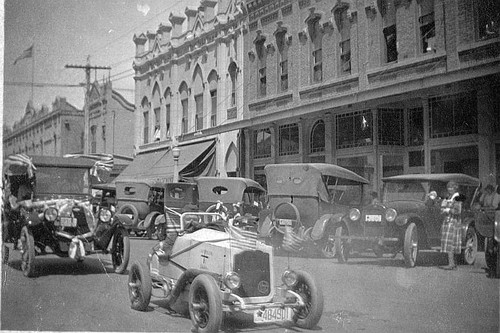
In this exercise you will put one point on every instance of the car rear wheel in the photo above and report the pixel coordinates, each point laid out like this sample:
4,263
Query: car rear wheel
341,245
120,250
27,252
205,304
410,247
469,253
308,316
139,287
327,243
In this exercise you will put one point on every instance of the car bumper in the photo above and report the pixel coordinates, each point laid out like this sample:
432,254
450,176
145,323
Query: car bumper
282,299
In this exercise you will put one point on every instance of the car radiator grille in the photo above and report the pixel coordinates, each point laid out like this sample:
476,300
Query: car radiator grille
253,268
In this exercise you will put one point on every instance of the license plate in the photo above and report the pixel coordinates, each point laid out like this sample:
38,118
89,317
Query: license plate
373,218
272,315
66,222
285,222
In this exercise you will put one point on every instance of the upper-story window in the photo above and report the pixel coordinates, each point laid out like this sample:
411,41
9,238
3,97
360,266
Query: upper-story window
488,18
157,136
388,11
184,121
316,34
453,115
213,100
289,139
168,121
344,25
104,137
146,126
199,112
416,126
317,140
233,69
262,143
93,139
282,44
262,58
427,26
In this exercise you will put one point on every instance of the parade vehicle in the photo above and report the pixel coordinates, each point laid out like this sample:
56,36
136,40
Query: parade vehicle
56,216
104,195
488,226
217,266
138,204
307,203
409,218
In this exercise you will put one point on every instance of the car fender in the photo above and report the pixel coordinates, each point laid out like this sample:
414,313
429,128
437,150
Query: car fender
124,219
147,221
321,224
403,219
466,224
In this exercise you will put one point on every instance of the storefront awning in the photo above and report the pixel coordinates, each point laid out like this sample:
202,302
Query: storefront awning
195,159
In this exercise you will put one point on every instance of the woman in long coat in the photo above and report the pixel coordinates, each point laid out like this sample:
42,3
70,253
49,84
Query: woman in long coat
451,231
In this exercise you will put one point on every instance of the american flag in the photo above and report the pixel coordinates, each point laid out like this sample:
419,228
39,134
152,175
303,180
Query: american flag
103,162
21,160
242,239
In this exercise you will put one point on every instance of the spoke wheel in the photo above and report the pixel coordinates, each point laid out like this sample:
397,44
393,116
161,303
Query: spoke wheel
205,304
120,250
139,287
308,316
469,253
410,247
27,252
327,243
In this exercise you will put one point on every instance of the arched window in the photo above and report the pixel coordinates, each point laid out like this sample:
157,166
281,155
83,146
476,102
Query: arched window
317,139
183,91
145,119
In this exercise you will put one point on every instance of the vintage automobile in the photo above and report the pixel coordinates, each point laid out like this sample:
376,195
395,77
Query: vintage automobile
307,202
226,195
104,195
139,203
488,226
57,217
192,278
409,218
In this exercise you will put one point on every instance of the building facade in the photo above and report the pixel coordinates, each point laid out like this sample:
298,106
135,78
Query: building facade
189,84
46,132
380,87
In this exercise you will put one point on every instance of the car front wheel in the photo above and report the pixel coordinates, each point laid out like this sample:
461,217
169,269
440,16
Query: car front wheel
410,247
205,304
341,245
139,287
327,244
27,252
469,253
120,250
308,316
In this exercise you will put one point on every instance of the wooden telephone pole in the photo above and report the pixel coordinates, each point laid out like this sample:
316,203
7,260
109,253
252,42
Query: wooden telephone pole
87,69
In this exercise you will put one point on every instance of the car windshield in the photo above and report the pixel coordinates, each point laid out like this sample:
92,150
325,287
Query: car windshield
343,192
54,180
405,191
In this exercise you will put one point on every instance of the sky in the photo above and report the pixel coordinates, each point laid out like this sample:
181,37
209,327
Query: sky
66,32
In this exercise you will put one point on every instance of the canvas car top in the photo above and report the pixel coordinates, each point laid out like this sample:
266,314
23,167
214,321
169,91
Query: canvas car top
286,178
460,178
226,188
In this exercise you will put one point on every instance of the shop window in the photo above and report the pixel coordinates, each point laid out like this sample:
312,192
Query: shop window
262,143
317,140
392,165
198,99
361,165
416,158
213,115
488,18
388,11
427,26
184,121
288,139
354,129
456,160
453,115
416,127
391,127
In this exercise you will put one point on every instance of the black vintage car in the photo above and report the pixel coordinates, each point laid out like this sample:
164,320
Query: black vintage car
55,215
409,218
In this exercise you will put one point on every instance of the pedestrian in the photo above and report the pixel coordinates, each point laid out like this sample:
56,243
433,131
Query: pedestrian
490,198
451,232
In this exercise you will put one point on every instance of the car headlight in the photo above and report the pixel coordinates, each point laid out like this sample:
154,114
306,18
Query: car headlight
50,214
289,278
354,214
390,214
232,280
105,215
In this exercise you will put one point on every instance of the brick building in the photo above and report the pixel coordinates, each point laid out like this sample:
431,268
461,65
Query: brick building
46,132
188,85
380,87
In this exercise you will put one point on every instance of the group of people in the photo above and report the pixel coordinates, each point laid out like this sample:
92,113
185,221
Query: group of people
451,208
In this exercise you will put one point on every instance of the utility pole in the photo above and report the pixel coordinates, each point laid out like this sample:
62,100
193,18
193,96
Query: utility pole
87,69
